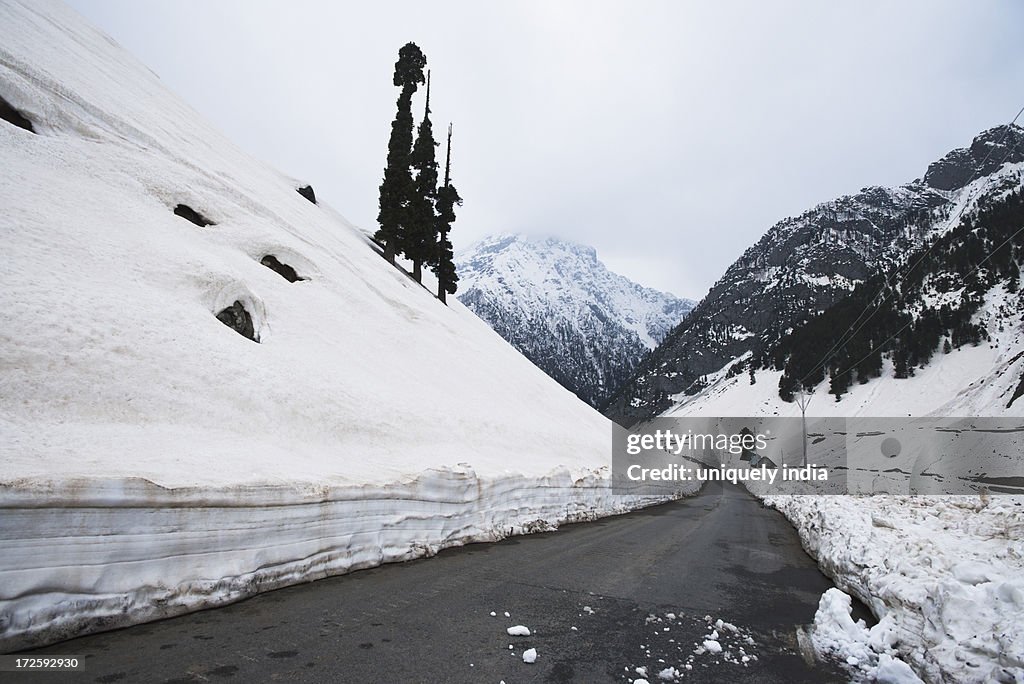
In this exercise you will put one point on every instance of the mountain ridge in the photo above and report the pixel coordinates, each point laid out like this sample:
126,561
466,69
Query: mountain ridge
804,264
558,304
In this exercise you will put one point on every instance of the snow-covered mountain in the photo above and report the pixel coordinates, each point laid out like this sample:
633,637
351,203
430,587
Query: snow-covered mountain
805,265
211,385
554,301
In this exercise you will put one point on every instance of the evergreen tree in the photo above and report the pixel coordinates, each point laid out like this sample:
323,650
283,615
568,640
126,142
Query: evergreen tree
1013,278
444,258
839,384
419,241
396,188
787,386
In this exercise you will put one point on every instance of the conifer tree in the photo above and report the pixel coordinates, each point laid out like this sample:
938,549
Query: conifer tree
444,258
396,188
419,241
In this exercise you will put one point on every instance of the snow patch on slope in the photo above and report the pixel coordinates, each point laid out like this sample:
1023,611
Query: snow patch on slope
970,381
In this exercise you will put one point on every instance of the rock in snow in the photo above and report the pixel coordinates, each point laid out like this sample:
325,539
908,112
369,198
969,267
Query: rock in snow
214,467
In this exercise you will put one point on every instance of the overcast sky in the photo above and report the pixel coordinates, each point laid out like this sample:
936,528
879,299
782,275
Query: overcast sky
668,135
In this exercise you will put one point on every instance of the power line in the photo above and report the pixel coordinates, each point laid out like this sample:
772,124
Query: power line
890,284
889,339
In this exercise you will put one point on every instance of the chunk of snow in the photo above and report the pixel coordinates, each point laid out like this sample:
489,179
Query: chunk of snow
893,671
530,655
518,630
712,646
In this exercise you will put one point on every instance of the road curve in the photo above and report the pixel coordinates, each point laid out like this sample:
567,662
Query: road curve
615,581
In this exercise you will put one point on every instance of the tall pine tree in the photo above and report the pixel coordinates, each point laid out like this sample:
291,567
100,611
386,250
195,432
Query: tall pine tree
419,240
444,258
397,187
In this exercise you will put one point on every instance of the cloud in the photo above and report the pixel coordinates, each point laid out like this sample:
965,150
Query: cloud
645,129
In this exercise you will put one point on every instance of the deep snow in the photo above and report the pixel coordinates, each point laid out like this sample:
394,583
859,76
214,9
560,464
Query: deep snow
153,460
944,575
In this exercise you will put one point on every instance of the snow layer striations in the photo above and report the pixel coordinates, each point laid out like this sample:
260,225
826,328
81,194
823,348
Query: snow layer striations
943,575
153,460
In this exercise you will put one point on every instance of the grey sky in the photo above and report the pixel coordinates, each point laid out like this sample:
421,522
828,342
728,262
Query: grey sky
669,135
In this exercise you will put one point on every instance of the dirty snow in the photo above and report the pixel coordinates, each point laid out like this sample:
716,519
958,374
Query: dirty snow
943,575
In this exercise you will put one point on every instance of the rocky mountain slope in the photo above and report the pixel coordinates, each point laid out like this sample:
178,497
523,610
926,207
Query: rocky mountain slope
804,265
554,301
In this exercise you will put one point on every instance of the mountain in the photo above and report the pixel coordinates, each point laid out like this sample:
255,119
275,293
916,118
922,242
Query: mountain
555,302
806,264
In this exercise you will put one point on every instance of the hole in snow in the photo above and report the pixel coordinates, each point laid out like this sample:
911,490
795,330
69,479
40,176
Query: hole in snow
239,320
307,192
13,116
284,270
190,214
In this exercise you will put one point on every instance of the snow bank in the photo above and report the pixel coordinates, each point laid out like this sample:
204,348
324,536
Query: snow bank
153,460
128,550
943,575
867,651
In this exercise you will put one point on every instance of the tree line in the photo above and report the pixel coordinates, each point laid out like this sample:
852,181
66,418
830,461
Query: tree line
963,265
416,214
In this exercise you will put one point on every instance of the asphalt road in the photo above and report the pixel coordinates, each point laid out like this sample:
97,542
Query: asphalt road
720,554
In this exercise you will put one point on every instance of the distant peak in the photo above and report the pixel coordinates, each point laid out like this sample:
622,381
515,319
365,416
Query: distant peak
502,241
988,151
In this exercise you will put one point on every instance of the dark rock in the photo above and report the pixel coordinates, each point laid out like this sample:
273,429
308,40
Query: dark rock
1017,393
307,192
284,270
190,214
239,320
988,151
13,116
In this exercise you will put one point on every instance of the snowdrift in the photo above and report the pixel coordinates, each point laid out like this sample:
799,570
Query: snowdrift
153,459
944,576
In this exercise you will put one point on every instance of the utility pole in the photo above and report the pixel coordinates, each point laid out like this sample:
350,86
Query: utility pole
803,400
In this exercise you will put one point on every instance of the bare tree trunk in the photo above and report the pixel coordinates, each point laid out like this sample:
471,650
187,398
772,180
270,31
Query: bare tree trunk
417,271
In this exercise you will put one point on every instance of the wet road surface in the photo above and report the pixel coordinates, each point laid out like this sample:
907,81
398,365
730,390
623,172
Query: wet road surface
719,554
